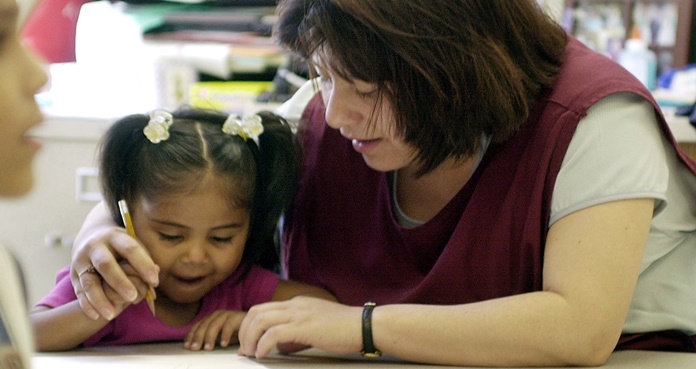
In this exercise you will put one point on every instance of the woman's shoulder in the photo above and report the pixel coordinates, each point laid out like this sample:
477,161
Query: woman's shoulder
587,77
617,151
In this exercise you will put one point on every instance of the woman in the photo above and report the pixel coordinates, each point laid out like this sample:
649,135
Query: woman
492,184
21,78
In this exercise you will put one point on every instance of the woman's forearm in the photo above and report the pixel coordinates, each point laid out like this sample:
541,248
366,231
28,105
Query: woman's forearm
591,264
535,329
97,218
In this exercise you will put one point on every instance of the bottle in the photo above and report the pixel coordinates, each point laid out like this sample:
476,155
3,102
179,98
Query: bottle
639,60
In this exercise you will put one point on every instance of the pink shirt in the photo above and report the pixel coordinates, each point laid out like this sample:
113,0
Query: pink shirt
137,325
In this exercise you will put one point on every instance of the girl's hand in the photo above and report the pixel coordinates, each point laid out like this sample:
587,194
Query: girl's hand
221,326
301,322
118,302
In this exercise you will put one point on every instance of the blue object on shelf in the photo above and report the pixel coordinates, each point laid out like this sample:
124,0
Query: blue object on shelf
688,111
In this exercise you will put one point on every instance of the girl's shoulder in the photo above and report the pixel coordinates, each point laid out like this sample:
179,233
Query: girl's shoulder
246,287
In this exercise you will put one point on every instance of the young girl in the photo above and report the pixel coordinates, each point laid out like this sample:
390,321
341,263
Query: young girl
205,191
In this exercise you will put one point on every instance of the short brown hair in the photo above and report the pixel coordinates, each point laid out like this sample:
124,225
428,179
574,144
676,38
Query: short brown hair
452,70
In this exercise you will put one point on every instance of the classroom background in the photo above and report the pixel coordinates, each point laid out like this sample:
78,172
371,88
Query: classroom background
111,58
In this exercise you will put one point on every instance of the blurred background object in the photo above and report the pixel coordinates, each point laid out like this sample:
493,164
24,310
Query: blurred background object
50,29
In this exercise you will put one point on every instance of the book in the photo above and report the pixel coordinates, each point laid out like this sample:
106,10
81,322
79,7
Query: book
16,335
238,97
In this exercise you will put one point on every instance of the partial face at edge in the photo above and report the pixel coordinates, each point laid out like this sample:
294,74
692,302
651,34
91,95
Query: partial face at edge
21,77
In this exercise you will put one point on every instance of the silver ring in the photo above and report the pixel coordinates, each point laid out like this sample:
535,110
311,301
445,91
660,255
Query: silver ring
90,269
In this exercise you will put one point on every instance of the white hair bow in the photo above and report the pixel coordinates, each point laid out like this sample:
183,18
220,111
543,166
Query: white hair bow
246,128
157,129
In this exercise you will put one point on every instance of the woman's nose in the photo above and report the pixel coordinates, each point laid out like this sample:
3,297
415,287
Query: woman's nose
34,71
332,112
341,111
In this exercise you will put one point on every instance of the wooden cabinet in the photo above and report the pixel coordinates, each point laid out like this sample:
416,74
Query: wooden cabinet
604,25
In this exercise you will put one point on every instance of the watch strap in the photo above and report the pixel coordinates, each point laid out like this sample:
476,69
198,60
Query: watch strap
369,349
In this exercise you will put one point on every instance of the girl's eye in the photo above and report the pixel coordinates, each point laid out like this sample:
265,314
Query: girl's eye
221,239
169,237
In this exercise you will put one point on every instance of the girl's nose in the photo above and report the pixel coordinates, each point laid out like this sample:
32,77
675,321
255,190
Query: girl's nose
195,254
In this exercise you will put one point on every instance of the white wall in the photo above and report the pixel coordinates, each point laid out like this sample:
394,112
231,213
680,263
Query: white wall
554,7
25,7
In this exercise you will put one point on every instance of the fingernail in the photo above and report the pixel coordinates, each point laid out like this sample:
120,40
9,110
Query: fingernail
109,315
132,295
207,347
153,278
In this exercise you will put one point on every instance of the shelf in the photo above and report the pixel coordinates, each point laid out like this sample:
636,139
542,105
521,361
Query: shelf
604,25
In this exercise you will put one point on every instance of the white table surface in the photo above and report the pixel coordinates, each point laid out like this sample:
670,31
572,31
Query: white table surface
172,355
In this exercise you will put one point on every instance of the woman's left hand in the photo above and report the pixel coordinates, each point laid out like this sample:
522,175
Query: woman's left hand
301,322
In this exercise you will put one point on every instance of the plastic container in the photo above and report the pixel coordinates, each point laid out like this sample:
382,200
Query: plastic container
640,61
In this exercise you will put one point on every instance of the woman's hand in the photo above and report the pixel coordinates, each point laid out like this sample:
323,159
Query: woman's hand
298,323
101,244
119,303
221,326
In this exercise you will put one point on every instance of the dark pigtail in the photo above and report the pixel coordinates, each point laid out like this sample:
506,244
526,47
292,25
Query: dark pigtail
121,147
278,159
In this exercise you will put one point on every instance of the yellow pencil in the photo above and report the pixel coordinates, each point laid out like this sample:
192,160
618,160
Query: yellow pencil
125,215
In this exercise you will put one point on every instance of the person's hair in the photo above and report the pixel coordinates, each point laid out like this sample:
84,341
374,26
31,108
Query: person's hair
452,70
260,178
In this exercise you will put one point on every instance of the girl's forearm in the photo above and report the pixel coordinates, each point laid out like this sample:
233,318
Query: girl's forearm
289,289
63,328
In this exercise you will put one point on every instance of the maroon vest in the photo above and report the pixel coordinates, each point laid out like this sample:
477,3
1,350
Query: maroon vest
487,242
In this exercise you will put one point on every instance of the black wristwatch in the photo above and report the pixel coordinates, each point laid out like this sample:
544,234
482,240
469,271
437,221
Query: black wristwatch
369,349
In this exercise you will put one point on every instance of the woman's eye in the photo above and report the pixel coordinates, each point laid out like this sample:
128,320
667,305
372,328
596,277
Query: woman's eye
365,90
366,95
